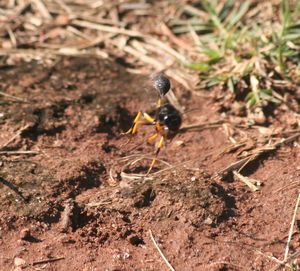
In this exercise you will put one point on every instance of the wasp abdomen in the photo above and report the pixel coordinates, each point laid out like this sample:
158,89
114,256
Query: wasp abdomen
161,83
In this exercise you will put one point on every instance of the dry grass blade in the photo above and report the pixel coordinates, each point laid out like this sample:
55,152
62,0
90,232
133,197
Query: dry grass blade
129,161
99,203
117,30
289,186
158,44
12,97
201,126
256,153
166,30
139,176
283,263
78,33
154,43
236,165
251,183
105,28
272,258
291,229
12,37
160,252
42,9
136,177
48,260
65,7
18,152
97,41
80,26
46,53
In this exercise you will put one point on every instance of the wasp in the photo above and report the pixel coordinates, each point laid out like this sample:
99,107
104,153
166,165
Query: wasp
167,119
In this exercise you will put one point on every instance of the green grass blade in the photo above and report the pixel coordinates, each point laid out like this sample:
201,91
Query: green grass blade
225,11
199,66
214,17
238,15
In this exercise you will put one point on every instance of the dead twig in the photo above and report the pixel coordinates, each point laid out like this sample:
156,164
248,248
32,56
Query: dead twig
48,260
18,152
160,252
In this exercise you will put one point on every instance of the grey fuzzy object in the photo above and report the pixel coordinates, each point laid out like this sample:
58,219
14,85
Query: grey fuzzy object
161,83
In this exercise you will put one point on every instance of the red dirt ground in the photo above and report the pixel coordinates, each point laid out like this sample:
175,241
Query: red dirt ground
78,208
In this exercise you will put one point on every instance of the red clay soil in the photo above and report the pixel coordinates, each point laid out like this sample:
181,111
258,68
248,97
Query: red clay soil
74,201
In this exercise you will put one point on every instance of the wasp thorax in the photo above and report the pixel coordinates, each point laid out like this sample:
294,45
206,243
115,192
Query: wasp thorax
168,116
161,83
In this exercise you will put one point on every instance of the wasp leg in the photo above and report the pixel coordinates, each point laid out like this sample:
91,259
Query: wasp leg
137,121
133,128
151,138
160,144
148,118
158,104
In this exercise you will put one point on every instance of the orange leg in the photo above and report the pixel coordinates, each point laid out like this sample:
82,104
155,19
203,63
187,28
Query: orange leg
159,146
133,128
159,131
158,104
148,118
137,121
151,138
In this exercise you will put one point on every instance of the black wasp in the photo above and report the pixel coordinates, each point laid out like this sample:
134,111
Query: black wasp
167,120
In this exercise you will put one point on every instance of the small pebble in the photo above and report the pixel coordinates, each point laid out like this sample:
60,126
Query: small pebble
19,262
208,221
193,179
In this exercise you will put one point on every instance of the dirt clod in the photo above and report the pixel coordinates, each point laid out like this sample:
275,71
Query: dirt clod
25,234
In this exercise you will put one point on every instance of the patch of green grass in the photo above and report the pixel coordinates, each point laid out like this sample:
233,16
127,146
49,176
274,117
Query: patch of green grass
242,43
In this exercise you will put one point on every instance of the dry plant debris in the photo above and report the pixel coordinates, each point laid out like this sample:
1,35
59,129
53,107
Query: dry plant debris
41,30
